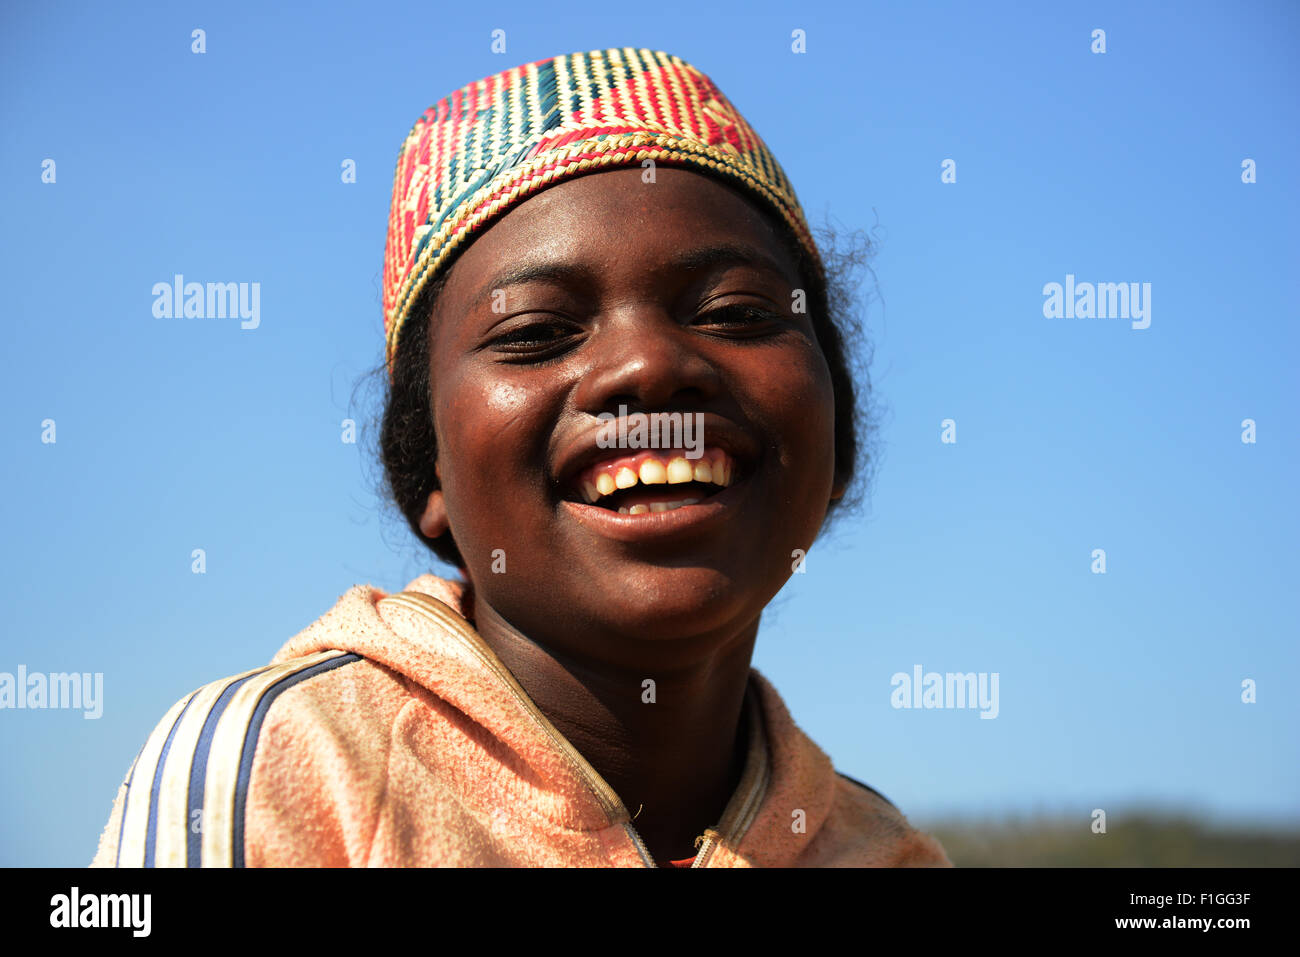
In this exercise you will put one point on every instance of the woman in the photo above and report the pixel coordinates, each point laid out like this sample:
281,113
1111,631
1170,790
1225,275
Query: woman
620,406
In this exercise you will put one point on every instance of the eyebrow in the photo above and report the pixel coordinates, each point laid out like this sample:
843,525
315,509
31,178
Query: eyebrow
703,257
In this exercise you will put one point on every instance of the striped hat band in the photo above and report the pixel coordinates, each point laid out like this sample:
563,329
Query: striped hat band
490,145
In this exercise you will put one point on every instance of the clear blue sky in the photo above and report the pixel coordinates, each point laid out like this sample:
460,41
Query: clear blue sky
1115,689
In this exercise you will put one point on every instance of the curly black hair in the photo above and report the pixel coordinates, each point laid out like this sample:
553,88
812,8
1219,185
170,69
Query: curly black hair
408,444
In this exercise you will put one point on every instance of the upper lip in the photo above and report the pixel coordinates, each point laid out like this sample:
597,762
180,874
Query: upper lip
717,432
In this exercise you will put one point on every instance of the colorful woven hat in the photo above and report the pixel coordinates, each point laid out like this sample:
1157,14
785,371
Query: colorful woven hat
492,144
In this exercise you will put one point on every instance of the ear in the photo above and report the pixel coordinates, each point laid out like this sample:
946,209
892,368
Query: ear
838,489
433,523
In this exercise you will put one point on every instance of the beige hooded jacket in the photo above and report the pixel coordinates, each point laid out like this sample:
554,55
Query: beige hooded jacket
389,734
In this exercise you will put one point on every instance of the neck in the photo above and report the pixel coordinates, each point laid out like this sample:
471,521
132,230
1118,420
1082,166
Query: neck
673,751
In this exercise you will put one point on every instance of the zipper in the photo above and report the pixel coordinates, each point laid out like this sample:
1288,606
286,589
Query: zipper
431,608
706,842
641,847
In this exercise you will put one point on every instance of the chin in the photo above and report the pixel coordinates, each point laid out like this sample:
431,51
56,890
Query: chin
664,604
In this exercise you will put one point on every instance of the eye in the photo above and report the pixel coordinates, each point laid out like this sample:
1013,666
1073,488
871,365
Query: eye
740,317
534,339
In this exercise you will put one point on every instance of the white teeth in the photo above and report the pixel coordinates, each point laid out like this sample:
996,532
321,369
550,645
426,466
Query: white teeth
652,473
656,507
679,470
638,510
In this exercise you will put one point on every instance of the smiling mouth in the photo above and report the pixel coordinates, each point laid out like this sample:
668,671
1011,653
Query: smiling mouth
654,481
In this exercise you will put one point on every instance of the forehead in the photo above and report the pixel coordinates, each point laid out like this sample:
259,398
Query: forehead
616,221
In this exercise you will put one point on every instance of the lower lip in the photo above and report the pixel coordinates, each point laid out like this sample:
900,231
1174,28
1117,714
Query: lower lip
652,526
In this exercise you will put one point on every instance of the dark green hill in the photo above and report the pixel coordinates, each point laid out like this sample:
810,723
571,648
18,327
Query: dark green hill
1135,839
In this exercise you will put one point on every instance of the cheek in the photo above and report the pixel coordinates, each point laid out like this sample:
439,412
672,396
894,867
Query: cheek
487,437
505,400
799,401
479,417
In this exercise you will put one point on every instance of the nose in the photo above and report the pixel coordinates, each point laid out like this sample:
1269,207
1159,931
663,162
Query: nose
648,361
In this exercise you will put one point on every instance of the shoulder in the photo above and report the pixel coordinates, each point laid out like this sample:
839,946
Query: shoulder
875,832
186,798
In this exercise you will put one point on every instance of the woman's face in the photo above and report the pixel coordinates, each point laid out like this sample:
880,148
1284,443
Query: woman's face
603,292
